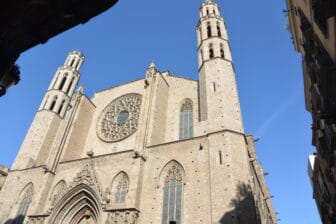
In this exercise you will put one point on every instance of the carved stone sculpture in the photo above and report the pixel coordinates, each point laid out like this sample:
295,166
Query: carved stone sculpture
128,216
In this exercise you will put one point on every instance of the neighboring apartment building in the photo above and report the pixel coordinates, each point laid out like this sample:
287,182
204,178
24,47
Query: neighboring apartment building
3,175
313,27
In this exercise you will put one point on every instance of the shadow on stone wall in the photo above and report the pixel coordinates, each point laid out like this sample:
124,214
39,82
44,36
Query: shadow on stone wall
244,211
18,220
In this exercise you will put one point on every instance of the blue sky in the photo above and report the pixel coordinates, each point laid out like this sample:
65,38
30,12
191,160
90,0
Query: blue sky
122,42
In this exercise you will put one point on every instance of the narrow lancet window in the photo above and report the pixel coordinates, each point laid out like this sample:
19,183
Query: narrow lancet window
53,103
186,120
72,62
172,195
70,85
26,199
63,82
61,107
218,30
220,157
222,50
211,51
121,183
209,29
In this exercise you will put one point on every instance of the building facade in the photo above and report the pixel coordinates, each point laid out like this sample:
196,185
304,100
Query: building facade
313,28
161,149
3,175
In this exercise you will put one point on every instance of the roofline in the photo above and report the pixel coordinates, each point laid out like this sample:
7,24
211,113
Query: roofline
118,85
175,76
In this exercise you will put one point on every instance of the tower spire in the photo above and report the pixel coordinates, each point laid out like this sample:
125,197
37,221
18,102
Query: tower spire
63,84
212,34
152,65
217,80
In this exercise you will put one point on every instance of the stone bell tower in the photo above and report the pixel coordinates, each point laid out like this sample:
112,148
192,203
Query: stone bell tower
42,133
63,85
219,103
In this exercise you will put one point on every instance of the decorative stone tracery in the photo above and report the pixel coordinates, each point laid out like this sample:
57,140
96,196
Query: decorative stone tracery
28,195
127,216
172,193
88,177
59,190
174,173
36,220
79,202
187,105
120,118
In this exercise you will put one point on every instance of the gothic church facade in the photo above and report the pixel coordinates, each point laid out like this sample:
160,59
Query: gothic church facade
162,149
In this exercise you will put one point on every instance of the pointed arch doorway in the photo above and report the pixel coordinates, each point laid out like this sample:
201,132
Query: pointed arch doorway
84,216
78,206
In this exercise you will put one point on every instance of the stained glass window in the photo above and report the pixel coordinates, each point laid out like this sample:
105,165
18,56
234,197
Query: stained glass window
121,188
24,204
186,120
172,196
122,117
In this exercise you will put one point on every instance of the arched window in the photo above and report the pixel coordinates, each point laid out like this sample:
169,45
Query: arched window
120,187
221,50
211,51
69,87
59,190
207,11
53,103
209,29
172,194
61,107
26,199
218,30
186,120
72,62
63,82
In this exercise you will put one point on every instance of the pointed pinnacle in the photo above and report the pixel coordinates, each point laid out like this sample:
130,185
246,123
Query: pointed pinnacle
152,65
80,89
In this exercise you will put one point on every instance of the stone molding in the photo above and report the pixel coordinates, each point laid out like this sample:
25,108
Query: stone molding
128,215
87,176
